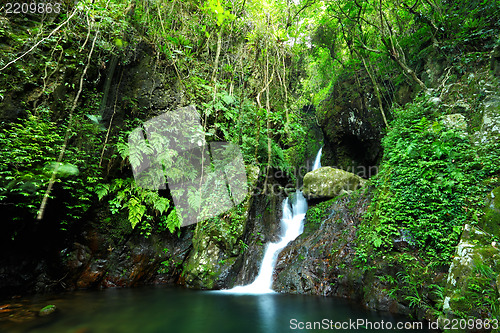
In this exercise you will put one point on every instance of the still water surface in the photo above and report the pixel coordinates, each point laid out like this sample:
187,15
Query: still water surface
143,310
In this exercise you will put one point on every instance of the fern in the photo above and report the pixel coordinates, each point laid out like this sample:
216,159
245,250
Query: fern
173,221
161,204
135,211
101,190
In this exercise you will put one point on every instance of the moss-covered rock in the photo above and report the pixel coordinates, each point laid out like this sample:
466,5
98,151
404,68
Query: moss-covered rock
471,287
327,182
454,121
47,310
490,222
218,245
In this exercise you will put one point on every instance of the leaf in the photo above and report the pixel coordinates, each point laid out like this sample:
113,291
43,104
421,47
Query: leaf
377,242
161,204
173,220
135,212
228,99
102,190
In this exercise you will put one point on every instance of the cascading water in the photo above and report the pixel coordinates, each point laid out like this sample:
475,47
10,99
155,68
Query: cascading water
292,226
317,160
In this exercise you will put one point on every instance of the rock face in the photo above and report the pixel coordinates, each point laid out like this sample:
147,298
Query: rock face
327,182
322,261
490,128
490,222
229,252
475,265
352,125
454,121
101,259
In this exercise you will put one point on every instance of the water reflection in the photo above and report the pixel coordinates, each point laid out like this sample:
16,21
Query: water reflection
267,312
186,311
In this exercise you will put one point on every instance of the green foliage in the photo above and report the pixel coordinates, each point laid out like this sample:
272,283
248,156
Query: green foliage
30,149
227,228
481,295
317,214
147,210
427,185
222,15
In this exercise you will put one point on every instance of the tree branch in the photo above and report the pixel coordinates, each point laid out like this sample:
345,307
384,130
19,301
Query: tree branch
34,46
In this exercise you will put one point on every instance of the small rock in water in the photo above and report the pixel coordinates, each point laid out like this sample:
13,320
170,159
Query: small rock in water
48,310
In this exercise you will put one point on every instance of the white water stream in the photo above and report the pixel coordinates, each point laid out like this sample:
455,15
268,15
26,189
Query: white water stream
317,160
292,226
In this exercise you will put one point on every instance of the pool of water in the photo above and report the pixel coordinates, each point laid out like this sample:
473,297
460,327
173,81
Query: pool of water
159,309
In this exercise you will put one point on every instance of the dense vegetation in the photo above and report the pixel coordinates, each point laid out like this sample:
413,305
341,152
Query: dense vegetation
265,76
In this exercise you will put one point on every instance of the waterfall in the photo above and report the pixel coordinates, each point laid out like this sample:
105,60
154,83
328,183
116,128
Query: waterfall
291,224
317,160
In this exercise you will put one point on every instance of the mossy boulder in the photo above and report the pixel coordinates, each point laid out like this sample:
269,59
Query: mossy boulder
327,182
491,219
215,249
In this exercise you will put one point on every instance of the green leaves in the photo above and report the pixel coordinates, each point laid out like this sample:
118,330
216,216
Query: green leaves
102,190
220,13
147,210
161,204
424,185
136,211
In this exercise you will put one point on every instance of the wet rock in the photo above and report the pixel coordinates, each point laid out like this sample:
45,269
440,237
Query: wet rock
327,182
48,310
321,262
490,128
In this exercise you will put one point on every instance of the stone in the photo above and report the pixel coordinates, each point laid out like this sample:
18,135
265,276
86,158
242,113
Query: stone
490,127
454,121
490,221
327,182
48,310
473,251
435,101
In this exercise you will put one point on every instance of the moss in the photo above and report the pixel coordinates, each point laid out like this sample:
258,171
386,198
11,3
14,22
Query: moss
316,215
490,222
47,310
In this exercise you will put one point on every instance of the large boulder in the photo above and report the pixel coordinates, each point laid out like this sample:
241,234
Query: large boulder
327,182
